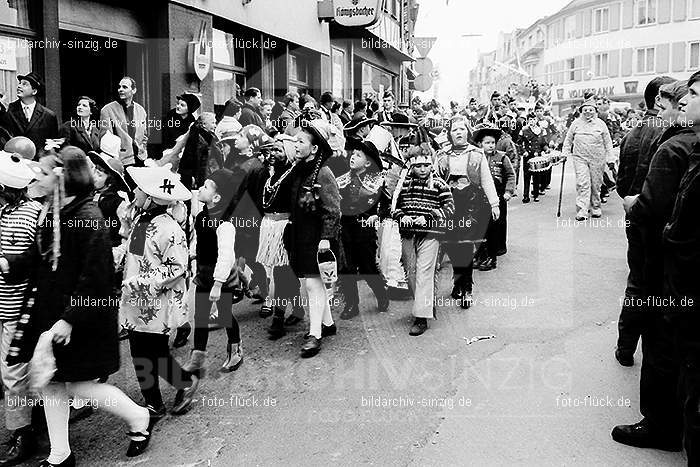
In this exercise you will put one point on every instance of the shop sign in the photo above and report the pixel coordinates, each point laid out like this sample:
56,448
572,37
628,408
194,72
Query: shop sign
199,54
8,55
602,91
360,13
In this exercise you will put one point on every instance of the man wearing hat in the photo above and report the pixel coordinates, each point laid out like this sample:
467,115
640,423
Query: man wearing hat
588,141
26,116
18,222
361,196
154,288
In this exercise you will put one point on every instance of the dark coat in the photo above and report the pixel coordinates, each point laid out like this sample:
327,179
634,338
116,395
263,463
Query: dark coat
43,126
246,205
108,201
635,154
77,135
194,166
682,240
85,273
251,116
309,227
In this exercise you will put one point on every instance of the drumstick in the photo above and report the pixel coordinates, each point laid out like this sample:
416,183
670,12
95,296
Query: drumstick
561,187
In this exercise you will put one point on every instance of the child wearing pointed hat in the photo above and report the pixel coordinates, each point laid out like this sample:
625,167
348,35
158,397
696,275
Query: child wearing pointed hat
154,290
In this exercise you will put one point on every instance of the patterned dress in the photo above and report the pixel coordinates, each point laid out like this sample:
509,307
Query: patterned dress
153,297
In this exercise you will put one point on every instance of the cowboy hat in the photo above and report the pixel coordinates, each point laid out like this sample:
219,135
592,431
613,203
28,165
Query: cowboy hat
358,122
400,120
159,183
320,130
482,130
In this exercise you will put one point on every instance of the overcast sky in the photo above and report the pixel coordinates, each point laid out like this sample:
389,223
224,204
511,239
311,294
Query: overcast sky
455,55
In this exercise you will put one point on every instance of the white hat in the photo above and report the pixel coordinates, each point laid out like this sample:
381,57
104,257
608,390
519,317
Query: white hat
159,183
227,127
380,137
14,171
111,144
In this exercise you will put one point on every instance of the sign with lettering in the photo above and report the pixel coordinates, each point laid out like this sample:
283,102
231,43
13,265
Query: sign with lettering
199,54
357,12
8,54
603,91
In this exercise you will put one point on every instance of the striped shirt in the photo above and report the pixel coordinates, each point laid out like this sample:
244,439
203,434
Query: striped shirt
430,198
17,229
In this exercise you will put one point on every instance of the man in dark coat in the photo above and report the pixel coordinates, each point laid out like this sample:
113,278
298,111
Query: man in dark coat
250,111
635,154
27,117
681,264
662,425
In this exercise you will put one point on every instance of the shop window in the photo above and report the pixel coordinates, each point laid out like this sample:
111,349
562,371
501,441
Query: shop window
694,62
15,58
646,12
298,72
225,52
15,13
645,60
571,67
601,20
375,81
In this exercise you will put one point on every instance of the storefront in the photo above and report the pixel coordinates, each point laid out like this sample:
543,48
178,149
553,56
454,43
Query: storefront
19,21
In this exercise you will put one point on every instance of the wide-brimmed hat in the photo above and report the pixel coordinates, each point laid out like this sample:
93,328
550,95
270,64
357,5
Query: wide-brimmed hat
191,100
110,145
111,165
320,130
159,183
33,78
482,130
14,171
358,122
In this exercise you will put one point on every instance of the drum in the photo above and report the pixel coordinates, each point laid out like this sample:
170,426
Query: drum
539,164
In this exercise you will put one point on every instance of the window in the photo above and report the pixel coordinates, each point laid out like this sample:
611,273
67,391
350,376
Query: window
15,13
225,53
600,62
570,28
393,7
645,60
15,59
646,12
571,67
338,58
695,9
601,20
694,61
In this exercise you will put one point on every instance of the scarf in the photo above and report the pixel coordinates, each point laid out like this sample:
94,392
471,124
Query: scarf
137,244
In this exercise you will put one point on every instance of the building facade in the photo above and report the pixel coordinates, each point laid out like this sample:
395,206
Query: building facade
207,47
615,48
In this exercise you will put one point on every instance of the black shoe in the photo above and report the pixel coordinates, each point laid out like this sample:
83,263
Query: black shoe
488,265
326,331
350,311
183,398
624,358
68,462
265,311
383,303
526,200
21,448
542,192
183,332
535,199
420,325
640,435
276,329
398,294
311,347
457,292
139,441
467,301
502,252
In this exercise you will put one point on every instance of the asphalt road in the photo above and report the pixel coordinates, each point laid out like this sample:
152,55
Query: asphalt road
546,390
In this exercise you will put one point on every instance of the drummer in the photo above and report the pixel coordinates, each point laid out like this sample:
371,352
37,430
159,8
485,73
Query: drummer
588,141
534,143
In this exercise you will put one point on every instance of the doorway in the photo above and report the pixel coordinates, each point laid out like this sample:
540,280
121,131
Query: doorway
90,66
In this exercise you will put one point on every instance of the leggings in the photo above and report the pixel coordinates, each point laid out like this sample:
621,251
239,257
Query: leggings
57,397
202,306
151,356
319,307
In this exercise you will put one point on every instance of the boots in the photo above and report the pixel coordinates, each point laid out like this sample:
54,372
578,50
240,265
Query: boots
234,358
183,397
22,445
196,363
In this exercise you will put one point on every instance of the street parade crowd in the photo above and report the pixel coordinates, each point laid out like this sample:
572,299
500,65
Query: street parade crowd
110,233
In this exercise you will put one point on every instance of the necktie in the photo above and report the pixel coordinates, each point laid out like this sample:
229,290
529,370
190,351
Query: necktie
27,112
